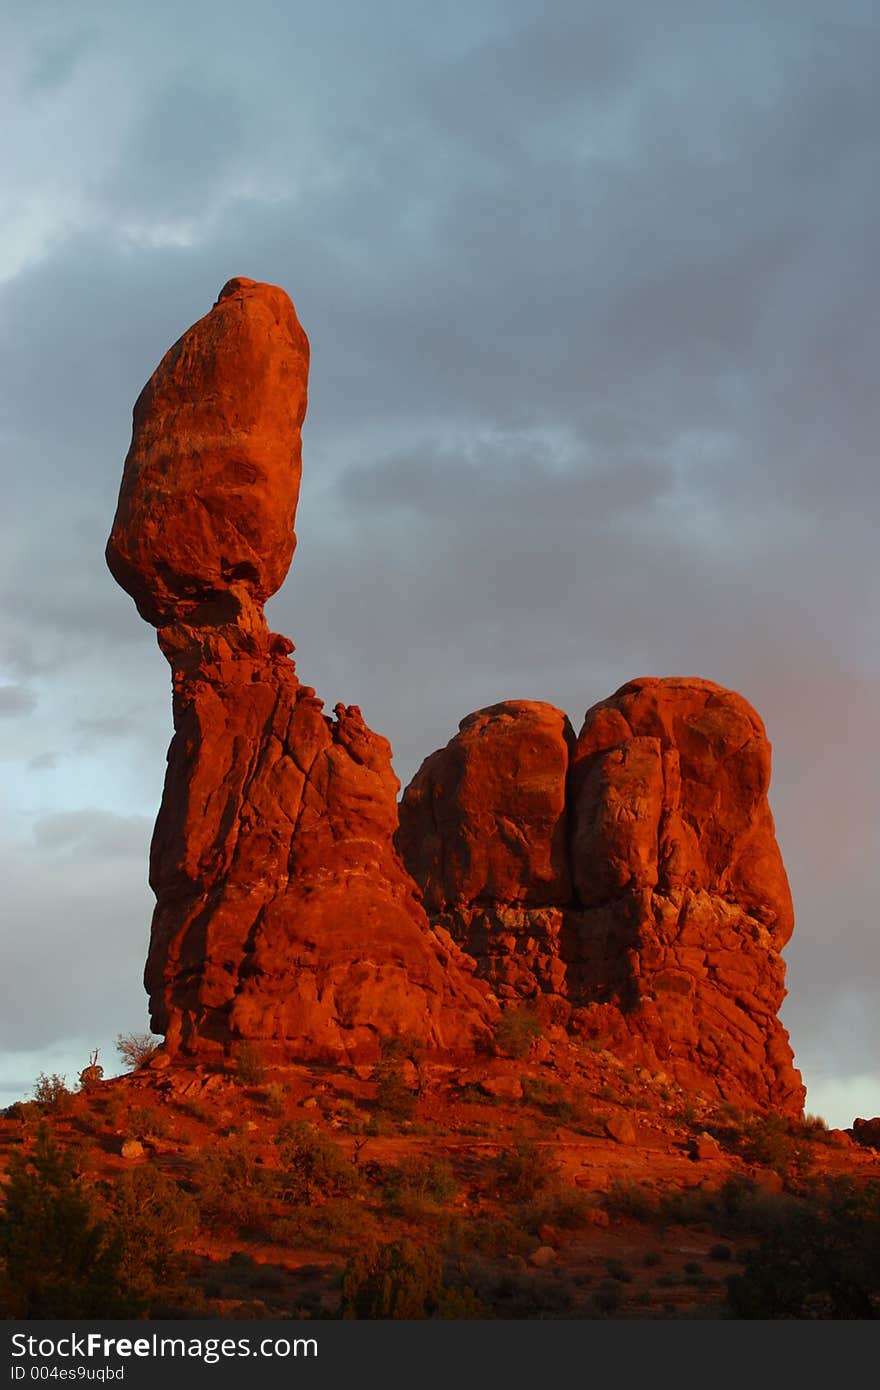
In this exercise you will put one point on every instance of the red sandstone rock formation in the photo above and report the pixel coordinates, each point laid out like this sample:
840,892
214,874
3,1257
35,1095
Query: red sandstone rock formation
484,832
283,911
666,945
211,480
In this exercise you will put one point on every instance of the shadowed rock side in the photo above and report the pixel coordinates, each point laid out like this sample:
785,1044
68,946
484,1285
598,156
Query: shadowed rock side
659,931
283,911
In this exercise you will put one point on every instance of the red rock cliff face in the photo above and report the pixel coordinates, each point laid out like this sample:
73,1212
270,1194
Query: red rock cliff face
660,930
283,911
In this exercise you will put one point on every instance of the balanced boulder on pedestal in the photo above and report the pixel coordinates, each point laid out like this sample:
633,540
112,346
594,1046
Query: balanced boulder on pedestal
283,912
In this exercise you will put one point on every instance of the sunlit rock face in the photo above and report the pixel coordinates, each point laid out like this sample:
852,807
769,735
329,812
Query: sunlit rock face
628,879
283,913
211,481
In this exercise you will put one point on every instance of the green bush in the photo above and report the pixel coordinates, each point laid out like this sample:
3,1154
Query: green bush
153,1218
769,1141
393,1096
337,1223
147,1119
60,1259
311,1165
822,1261
516,1030
250,1069
523,1171
275,1099
52,1093
559,1205
419,1180
630,1200
402,1280
234,1190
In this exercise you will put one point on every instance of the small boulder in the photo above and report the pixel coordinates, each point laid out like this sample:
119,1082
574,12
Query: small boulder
132,1149
542,1257
704,1148
548,1234
621,1129
598,1217
767,1180
867,1132
502,1087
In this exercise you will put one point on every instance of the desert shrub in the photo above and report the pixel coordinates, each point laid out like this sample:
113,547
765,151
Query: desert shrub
136,1049
747,1210
690,1207
769,1141
153,1217
772,1141
688,1113
525,1296
275,1099
815,1130
234,1191
608,1298
23,1111
200,1110
147,1119
492,1236
337,1223
311,1165
394,1097
52,1093
559,1205
402,1280
630,1200
522,1171
250,1068
720,1252
553,1099
516,1030
461,1304
60,1259
822,1261
417,1179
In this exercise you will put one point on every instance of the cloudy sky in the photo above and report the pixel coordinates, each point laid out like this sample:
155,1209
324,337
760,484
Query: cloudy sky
592,295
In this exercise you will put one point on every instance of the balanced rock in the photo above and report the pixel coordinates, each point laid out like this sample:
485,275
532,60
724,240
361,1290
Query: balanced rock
283,912
211,481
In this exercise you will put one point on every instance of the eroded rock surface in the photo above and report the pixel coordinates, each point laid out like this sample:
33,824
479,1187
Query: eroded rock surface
283,913
211,480
641,896
484,832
